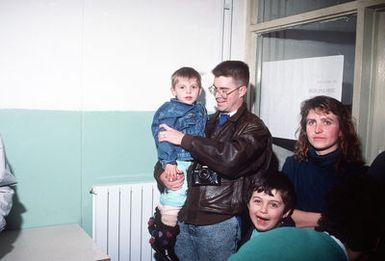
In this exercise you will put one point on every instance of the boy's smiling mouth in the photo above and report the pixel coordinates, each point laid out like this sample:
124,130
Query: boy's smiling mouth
262,220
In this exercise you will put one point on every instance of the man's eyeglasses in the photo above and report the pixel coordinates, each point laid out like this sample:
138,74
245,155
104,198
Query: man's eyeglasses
224,92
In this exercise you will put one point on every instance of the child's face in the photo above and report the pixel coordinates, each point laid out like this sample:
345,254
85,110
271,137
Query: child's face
266,211
323,131
186,90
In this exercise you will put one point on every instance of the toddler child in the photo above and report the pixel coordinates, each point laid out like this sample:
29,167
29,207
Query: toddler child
184,114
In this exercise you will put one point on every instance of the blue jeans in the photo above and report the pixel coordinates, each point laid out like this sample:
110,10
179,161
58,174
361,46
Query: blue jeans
215,242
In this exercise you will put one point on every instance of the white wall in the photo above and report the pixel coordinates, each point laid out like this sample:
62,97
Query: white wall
110,54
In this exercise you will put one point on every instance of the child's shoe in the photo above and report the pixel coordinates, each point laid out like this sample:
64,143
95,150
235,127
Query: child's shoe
163,238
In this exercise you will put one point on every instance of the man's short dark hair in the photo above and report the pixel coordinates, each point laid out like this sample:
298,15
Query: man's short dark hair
236,69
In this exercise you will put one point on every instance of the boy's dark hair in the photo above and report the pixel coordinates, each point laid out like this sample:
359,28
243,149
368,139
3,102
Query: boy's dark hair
186,72
354,213
236,69
275,181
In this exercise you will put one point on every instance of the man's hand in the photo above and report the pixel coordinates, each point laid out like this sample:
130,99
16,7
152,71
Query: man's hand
172,184
171,172
169,134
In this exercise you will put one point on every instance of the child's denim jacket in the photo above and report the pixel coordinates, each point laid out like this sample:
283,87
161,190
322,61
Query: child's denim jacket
186,118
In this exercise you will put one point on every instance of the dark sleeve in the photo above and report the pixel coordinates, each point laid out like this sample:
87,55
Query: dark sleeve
253,146
158,169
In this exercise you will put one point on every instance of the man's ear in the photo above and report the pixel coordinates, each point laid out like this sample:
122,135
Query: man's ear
243,90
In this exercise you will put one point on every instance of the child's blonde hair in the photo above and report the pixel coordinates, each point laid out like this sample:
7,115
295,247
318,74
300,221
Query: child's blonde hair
186,72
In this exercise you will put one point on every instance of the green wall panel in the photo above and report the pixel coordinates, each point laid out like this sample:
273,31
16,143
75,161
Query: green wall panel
117,148
43,149
58,156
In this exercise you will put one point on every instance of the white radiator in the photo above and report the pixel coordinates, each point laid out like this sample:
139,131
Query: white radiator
119,219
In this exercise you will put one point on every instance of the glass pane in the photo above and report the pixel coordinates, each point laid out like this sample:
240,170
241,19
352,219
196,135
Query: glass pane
301,62
273,9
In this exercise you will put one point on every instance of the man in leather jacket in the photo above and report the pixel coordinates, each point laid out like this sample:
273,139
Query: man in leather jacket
239,150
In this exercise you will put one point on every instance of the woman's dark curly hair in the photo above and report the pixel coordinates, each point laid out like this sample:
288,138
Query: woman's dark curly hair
349,143
354,213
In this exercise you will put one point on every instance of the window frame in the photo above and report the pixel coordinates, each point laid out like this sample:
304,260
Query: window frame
363,64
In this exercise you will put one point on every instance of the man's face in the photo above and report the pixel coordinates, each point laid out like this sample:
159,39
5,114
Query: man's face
232,101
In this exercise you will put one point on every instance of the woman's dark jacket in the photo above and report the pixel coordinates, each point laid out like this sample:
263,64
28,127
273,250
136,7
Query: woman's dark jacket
314,177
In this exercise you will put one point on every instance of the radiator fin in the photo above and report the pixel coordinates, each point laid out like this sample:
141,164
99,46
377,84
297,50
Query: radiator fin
119,219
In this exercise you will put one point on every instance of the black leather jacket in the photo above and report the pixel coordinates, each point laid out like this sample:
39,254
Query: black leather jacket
239,151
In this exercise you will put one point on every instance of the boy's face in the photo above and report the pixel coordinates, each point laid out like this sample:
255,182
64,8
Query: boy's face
186,90
266,211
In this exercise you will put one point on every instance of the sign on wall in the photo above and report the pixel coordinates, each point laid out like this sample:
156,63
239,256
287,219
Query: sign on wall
285,84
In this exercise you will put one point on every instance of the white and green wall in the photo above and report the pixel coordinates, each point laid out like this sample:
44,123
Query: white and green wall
79,83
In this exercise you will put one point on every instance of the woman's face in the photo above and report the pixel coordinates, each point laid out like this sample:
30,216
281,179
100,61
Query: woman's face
323,131
266,211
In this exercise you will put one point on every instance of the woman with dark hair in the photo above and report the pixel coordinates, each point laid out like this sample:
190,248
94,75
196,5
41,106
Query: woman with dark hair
327,151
